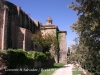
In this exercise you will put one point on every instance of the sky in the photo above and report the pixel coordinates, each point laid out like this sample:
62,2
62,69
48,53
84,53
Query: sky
58,10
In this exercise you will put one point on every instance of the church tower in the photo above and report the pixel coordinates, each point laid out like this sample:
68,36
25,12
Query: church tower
49,20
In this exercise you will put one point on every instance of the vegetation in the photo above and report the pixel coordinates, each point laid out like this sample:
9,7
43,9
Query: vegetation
76,71
46,41
39,56
88,29
16,59
19,59
51,69
68,53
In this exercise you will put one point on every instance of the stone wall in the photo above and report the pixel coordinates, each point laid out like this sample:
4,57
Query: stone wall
16,28
12,30
25,42
1,20
13,18
63,57
21,19
24,39
49,31
62,46
62,38
20,38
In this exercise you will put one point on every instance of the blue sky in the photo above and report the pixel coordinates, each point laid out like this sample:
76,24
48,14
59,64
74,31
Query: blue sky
58,10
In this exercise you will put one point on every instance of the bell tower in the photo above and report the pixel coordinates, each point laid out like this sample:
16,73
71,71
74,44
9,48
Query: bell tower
49,20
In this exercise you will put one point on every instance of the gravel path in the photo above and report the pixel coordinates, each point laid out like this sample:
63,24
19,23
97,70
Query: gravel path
65,70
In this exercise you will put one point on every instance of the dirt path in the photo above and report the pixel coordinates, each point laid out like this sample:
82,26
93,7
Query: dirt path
65,70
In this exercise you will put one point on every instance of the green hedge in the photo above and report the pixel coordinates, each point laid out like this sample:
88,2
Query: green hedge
39,56
20,58
16,59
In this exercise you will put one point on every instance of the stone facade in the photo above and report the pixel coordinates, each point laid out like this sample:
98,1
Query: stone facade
16,29
50,28
1,20
62,38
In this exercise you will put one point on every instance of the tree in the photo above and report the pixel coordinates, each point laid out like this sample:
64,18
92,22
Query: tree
46,41
68,53
88,29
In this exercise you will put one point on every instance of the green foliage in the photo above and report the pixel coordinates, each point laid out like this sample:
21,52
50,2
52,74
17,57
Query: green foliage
46,41
76,71
47,54
43,57
58,64
18,58
88,29
3,52
39,56
59,37
68,53
51,69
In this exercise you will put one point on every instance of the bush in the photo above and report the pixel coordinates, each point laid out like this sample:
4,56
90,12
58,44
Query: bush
39,56
18,58
46,41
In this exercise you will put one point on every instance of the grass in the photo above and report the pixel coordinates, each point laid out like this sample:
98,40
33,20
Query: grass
76,71
50,70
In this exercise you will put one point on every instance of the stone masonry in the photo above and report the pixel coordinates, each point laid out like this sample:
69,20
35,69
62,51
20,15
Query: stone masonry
16,29
50,28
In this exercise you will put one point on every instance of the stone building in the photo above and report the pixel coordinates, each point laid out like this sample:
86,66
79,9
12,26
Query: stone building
50,28
16,29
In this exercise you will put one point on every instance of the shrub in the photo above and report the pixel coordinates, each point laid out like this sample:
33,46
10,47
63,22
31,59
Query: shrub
39,56
18,58
46,41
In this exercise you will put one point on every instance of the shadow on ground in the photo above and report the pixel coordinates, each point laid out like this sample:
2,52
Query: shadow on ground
23,73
